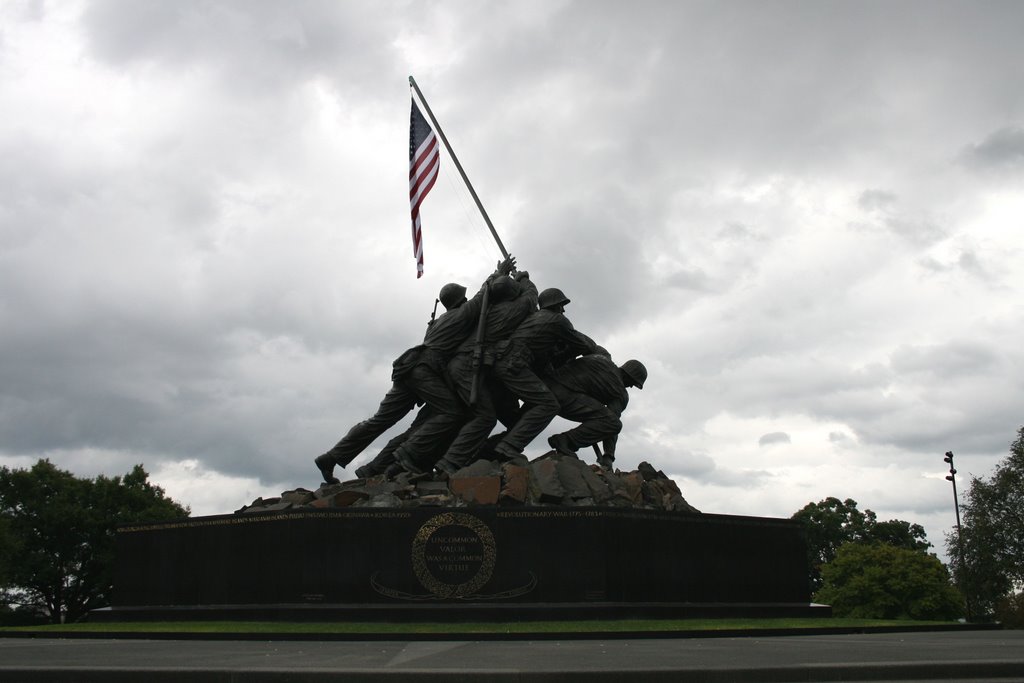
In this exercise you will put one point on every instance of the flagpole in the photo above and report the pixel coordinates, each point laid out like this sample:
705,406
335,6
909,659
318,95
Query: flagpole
465,178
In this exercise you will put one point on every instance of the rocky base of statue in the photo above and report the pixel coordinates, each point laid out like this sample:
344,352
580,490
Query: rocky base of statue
553,479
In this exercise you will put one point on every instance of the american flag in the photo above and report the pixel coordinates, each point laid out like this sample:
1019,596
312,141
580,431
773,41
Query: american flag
424,162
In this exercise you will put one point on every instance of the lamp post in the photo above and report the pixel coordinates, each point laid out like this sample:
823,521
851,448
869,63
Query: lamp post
951,478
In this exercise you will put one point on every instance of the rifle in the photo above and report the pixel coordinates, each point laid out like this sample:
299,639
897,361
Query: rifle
433,314
478,345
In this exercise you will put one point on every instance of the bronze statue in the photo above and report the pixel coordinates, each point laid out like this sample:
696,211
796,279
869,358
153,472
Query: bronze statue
544,335
591,390
418,377
511,301
509,355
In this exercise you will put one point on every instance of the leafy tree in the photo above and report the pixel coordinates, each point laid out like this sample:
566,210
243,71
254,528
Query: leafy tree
832,523
61,530
988,559
1009,611
879,581
7,550
899,534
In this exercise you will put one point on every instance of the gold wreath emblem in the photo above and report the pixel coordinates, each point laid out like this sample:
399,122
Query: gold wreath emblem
487,558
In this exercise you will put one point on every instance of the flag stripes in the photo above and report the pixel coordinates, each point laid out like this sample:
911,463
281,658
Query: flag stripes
424,162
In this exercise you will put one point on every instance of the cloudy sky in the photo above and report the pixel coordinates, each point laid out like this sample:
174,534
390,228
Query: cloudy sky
804,217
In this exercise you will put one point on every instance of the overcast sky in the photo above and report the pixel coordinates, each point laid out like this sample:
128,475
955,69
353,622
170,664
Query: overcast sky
804,218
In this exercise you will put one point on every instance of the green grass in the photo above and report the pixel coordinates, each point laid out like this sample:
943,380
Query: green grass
355,628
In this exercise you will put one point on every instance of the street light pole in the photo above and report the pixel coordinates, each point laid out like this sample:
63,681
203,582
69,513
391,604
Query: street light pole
951,478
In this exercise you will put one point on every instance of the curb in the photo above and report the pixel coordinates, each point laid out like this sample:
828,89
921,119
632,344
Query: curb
911,671
470,636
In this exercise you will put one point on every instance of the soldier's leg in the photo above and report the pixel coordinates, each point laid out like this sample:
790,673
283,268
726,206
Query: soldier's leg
488,452
475,430
597,422
447,414
384,460
396,404
540,406
505,404
386,457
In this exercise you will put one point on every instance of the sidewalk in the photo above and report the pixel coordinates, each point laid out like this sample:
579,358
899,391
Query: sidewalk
962,656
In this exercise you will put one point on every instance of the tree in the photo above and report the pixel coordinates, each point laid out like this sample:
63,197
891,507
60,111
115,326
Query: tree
876,580
988,556
899,534
832,523
7,550
1009,610
61,530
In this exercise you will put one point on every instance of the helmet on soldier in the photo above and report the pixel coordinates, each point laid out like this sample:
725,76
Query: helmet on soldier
552,297
636,371
452,294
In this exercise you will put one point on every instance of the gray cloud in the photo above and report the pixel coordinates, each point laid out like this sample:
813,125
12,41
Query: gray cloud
1001,150
689,464
592,244
917,230
739,478
962,358
968,262
689,279
839,437
774,438
255,49
870,200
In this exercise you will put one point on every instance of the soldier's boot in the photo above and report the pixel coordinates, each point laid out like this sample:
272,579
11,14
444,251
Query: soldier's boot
562,444
445,470
406,462
607,462
505,452
325,463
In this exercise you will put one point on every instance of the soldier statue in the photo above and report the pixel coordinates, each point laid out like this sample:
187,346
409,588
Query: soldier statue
530,349
510,302
591,390
418,377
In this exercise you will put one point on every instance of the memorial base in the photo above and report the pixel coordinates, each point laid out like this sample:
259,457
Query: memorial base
515,612
461,564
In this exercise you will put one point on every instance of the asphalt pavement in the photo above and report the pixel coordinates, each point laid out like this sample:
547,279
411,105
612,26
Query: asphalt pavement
995,655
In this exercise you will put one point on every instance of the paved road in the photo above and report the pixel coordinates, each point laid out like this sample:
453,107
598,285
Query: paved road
964,656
